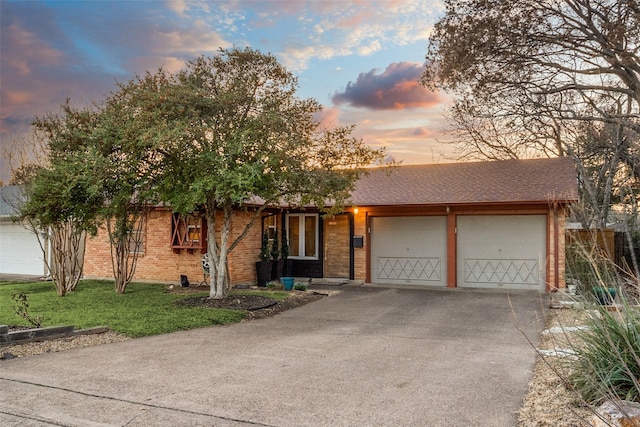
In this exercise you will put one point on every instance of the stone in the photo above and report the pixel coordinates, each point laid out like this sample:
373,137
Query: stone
618,413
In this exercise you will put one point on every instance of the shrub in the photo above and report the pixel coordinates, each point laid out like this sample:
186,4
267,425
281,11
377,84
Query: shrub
300,287
274,285
607,362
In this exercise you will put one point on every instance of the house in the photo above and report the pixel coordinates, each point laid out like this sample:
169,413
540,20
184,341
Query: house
20,251
480,224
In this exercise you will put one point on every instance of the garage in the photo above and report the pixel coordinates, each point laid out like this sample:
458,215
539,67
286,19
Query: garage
20,252
501,251
409,250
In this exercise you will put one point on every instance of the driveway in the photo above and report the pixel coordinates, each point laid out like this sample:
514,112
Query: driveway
369,356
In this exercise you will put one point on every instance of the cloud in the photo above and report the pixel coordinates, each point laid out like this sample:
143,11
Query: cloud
328,118
197,39
396,88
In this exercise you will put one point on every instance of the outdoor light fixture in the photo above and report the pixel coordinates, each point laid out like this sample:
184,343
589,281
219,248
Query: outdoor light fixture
355,211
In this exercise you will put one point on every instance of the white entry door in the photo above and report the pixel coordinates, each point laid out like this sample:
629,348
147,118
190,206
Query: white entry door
409,250
507,251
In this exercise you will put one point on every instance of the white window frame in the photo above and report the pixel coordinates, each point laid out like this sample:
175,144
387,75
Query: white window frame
301,234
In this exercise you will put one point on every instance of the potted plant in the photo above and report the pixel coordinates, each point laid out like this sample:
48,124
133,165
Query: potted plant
275,255
264,266
604,296
287,283
287,268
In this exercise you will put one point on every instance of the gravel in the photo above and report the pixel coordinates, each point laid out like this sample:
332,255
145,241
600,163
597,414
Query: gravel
61,344
549,402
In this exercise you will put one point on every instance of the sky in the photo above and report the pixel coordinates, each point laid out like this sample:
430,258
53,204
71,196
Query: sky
361,59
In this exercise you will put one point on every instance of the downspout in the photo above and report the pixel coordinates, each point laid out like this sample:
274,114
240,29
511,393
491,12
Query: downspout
351,248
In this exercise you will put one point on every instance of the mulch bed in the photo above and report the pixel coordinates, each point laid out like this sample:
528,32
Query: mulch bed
256,306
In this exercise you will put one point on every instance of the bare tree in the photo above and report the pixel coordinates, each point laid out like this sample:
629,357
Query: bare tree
545,78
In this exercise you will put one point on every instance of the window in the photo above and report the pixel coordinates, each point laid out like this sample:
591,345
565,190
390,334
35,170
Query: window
302,230
269,225
136,242
186,232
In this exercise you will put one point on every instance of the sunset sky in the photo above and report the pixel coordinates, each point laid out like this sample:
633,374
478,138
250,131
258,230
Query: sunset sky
360,59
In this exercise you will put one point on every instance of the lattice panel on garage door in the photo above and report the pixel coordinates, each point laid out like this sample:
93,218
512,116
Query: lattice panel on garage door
428,269
513,271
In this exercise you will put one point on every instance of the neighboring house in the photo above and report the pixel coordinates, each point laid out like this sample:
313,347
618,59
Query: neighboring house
20,252
483,224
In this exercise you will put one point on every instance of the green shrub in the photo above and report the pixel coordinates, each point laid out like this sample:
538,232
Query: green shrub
607,359
607,353
300,287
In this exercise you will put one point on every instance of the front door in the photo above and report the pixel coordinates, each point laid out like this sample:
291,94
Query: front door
337,247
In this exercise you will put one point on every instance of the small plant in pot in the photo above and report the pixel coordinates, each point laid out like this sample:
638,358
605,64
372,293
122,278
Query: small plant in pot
287,268
264,266
275,255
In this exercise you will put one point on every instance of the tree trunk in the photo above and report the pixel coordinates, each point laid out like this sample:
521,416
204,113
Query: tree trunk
219,285
124,246
67,256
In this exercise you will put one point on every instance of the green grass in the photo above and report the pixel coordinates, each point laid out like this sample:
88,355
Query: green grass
144,310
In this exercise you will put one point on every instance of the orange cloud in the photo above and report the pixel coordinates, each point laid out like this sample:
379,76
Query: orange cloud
18,97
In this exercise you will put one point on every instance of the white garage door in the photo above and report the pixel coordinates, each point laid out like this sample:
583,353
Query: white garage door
409,250
20,252
502,251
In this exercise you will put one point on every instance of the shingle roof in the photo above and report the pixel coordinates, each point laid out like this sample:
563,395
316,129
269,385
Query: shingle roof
503,181
11,197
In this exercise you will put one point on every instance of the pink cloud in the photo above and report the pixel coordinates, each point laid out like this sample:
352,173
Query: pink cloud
397,88
327,118
423,131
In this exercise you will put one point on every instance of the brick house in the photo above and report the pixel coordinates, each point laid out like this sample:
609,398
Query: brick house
482,224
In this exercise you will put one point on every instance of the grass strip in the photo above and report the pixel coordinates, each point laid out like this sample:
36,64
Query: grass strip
145,309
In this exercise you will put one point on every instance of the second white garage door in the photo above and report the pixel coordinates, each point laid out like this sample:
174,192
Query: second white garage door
507,251
409,250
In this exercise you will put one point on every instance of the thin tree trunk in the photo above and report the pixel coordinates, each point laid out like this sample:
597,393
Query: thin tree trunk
220,289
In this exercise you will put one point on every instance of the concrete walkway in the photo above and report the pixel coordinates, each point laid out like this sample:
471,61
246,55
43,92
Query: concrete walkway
369,356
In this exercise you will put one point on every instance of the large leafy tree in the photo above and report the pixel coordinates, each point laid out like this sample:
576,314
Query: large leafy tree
229,132
127,178
545,78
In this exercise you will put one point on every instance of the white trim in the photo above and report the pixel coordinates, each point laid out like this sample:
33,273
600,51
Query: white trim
301,235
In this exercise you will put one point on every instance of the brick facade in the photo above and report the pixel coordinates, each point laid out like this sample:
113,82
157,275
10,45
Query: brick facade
161,263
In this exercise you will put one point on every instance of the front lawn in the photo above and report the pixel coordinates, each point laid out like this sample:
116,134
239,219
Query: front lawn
144,310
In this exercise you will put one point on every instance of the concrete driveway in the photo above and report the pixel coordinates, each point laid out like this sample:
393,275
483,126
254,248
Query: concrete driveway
370,356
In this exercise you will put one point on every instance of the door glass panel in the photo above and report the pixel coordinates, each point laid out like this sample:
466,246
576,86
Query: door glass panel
310,236
294,236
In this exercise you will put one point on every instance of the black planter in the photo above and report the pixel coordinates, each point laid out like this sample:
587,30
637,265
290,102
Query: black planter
276,272
287,268
263,272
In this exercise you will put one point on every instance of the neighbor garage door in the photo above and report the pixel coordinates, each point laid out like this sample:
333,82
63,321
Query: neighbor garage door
501,251
409,250
20,252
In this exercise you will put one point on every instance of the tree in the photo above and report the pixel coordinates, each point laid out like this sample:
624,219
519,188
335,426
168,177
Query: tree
230,133
127,178
538,78
63,198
